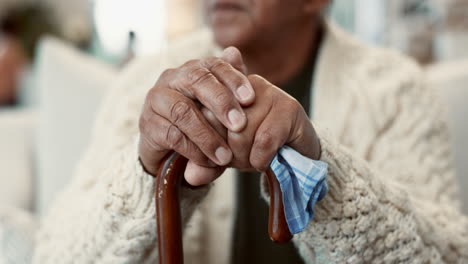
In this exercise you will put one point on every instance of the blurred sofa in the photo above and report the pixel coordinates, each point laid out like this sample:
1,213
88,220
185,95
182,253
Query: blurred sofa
40,142
71,86
16,157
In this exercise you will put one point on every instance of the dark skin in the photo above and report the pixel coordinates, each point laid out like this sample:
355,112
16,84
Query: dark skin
217,113
262,30
12,61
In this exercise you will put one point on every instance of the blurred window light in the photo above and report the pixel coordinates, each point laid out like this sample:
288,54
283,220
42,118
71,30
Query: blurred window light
342,12
370,20
115,19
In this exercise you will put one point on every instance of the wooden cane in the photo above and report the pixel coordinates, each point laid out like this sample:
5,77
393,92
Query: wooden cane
168,215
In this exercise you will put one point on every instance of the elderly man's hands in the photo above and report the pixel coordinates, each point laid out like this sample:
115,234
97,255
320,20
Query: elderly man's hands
211,113
172,119
274,119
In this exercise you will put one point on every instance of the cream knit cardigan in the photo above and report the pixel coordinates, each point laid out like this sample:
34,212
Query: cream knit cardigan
392,197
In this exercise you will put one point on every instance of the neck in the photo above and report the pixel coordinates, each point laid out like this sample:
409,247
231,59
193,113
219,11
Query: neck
281,58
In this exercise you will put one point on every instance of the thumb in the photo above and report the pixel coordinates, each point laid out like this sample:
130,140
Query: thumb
234,57
304,139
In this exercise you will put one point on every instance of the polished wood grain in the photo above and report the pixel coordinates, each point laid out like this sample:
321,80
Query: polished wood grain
277,226
168,215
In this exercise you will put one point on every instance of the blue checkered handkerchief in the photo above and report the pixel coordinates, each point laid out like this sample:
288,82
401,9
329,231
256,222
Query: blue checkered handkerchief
302,182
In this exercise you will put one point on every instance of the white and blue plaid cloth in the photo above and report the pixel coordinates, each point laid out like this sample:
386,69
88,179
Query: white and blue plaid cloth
302,182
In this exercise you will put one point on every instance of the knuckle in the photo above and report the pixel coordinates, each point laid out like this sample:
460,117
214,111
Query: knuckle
234,79
152,93
264,141
291,105
206,141
254,78
180,111
228,73
262,147
147,124
190,63
174,137
150,105
148,133
222,99
204,138
199,75
166,80
167,72
217,64
212,61
165,77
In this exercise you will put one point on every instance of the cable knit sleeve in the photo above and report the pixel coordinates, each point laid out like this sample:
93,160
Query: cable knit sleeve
107,213
397,202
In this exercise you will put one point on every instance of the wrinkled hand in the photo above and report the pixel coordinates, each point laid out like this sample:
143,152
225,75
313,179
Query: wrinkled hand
274,119
172,119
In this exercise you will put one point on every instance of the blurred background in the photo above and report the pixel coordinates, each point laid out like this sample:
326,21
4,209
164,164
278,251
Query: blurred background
58,58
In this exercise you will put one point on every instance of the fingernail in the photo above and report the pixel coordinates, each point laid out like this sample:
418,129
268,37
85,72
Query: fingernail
223,155
244,92
236,118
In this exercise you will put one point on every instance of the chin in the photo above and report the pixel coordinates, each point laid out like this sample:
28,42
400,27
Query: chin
226,37
231,32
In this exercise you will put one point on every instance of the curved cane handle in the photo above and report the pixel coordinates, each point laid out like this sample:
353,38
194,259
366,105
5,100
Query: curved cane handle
168,216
